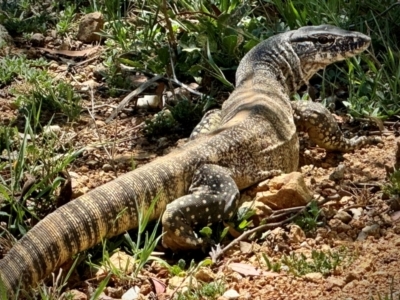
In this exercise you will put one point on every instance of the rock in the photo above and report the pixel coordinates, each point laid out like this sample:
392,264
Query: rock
351,276
338,173
182,284
357,212
51,130
231,294
235,277
148,101
367,231
107,168
37,39
119,260
365,266
92,163
260,208
327,184
345,200
350,287
99,72
89,26
205,275
48,39
335,282
100,123
339,226
296,234
163,142
131,294
288,190
313,277
5,38
343,216
114,292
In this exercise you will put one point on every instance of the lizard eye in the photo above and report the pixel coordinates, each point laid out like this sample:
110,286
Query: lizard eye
323,40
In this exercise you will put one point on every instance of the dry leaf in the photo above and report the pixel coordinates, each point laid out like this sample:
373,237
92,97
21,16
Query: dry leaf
396,215
244,269
70,53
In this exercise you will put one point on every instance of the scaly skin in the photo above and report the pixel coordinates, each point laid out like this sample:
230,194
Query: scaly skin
256,137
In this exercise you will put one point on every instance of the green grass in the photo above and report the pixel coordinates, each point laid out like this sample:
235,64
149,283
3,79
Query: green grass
211,291
322,262
393,186
319,261
308,221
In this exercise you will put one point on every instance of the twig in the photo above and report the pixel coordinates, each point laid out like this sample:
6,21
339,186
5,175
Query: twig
216,254
131,95
173,80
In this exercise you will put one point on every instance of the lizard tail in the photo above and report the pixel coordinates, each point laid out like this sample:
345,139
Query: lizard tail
82,223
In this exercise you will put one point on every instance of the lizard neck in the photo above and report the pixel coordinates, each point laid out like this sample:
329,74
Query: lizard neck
276,63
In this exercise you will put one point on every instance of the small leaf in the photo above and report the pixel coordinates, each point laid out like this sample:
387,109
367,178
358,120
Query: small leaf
206,231
395,216
159,286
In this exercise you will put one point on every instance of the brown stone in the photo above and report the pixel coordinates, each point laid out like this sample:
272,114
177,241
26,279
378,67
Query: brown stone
296,234
288,190
89,26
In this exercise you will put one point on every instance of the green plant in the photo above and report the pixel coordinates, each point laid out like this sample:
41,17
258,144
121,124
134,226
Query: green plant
181,117
272,266
161,123
321,262
19,17
143,255
200,290
209,291
8,136
66,18
393,186
40,162
56,98
59,283
308,221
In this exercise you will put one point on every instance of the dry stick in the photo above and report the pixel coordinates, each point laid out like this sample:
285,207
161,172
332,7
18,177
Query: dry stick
173,80
216,254
131,95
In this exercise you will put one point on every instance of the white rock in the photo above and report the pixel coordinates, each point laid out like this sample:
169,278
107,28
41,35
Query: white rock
131,294
151,101
357,212
51,129
231,294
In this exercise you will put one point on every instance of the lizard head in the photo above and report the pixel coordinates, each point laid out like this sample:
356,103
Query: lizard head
293,57
318,46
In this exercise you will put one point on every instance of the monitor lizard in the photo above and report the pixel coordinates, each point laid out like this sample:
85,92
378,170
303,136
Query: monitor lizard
254,138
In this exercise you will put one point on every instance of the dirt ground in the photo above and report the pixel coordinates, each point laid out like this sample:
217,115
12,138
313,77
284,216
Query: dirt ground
375,265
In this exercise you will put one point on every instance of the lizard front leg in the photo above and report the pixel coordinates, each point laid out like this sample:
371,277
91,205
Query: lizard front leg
322,128
213,197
